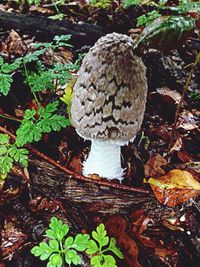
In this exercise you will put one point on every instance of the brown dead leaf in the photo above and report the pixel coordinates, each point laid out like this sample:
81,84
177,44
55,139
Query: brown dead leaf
40,204
14,45
41,10
164,253
154,166
187,121
175,187
116,227
176,146
183,156
12,239
169,96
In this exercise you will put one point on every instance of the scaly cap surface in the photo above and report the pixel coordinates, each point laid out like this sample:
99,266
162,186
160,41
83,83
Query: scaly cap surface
110,92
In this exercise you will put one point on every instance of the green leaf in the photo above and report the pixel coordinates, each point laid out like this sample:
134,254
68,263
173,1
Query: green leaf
51,234
5,83
114,248
81,242
3,150
19,155
4,139
109,261
71,256
52,107
36,251
69,242
162,32
29,114
100,235
97,260
56,260
92,247
54,244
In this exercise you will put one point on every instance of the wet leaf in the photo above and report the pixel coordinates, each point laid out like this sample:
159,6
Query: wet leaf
175,187
116,227
11,239
187,121
154,166
170,96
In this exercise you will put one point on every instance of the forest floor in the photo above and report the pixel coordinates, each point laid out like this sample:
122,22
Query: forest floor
154,213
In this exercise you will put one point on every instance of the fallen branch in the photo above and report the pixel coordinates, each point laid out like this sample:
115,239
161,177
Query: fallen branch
45,28
74,175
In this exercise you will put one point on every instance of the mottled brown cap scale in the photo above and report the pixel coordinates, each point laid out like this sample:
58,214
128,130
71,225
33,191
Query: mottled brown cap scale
110,92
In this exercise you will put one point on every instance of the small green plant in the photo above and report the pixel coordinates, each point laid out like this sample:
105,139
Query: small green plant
194,95
10,153
6,73
147,19
99,247
105,4
35,123
128,3
61,249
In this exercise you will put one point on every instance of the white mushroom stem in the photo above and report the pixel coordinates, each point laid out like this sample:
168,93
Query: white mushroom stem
104,159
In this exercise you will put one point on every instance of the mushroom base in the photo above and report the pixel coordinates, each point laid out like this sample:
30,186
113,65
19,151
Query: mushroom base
105,160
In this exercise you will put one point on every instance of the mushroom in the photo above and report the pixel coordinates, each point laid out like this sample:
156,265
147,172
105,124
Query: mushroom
109,102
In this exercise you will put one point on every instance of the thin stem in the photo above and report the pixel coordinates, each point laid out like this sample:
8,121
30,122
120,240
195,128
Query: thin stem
55,5
34,94
10,118
197,60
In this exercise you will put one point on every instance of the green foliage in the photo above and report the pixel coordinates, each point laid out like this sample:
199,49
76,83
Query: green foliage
62,249
194,95
30,2
162,32
35,123
6,72
128,3
100,246
43,77
10,153
147,19
105,4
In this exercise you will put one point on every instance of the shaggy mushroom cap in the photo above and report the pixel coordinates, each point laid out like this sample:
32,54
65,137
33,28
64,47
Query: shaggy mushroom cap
110,92
109,98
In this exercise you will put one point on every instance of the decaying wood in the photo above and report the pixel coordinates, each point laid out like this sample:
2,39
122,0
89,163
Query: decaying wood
45,28
104,200
96,198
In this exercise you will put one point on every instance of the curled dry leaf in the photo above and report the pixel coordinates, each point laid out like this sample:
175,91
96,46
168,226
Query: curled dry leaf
175,187
12,240
14,45
41,204
116,227
169,96
177,146
154,166
187,121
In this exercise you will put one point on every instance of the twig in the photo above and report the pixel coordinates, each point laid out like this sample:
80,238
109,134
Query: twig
74,175
186,86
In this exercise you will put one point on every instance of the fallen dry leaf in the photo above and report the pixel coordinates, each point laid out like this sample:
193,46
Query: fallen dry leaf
164,253
11,240
175,187
14,45
187,121
154,166
169,96
116,227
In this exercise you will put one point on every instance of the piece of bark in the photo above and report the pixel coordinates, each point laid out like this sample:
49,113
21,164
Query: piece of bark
45,29
85,199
